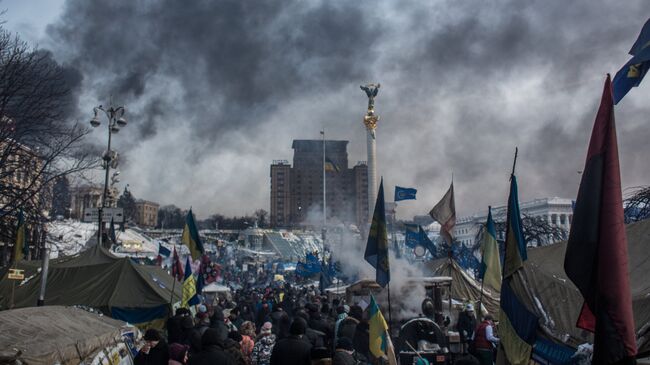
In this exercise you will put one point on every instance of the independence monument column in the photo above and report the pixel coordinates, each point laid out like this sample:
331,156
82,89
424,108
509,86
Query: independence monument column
370,121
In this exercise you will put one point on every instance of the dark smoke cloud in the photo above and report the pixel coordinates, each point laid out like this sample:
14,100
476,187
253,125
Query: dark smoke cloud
216,90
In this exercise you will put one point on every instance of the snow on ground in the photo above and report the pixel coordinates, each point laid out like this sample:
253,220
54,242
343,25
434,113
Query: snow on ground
68,237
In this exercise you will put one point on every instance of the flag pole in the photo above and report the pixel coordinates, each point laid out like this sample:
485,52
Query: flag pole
514,163
390,316
480,298
171,297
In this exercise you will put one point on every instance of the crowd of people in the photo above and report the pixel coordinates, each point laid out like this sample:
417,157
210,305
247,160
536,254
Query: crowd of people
283,325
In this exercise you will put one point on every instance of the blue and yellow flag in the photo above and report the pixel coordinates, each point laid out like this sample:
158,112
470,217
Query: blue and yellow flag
490,269
379,341
21,248
517,325
377,247
189,287
636,68
331,166
191,237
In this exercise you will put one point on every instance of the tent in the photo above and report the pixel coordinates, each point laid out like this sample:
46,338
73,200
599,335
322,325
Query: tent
546,290
95,278
58,335
464,288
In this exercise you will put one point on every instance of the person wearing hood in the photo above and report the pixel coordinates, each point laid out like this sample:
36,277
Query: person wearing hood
154,352
232,347
178,354
293,350
264,344
344,353
212,351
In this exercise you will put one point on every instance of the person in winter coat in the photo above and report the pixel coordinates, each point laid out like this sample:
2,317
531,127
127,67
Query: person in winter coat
233,348
293,350
466,326
174,327
247,343
485,342
178,354
154,352
263,348
344,353
212,351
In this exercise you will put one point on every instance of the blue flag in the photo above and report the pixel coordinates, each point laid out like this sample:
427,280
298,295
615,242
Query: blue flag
377,246
412,235
163,251
426,242
635,69
404,193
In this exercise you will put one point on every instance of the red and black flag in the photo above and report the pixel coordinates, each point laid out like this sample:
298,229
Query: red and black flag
596,255
177,268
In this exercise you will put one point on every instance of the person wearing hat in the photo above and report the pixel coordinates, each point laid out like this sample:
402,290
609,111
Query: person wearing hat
293,350
344,353
264,344
154,352
466,326
212,351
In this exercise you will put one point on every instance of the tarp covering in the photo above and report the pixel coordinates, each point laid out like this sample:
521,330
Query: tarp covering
553,296
464,288
54,334
94,278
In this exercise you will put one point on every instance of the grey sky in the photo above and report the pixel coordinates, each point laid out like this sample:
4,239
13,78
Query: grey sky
217,90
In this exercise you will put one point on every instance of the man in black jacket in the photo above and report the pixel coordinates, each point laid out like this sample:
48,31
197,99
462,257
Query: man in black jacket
212,351
293,350
154,352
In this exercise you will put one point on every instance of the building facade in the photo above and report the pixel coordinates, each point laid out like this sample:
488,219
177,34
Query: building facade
557,212
297,191
90,196
146,213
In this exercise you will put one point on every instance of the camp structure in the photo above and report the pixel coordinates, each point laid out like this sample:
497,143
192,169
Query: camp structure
464,288
62,335
119,287
546,290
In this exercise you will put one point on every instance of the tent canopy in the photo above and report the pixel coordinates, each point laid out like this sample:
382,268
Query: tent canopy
93,278
55,334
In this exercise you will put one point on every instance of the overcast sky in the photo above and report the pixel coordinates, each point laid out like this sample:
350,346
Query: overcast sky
217,90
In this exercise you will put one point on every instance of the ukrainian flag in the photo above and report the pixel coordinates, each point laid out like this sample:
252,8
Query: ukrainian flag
191,237
517,325
380,343
331,166
189,287
490,271
21,250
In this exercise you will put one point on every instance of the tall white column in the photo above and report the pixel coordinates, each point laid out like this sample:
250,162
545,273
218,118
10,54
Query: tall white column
372,172
370,121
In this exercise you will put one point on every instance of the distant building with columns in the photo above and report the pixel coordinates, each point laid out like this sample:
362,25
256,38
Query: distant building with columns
556,211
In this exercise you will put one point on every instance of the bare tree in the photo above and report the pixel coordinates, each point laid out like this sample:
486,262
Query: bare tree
637,205
37,144
537,232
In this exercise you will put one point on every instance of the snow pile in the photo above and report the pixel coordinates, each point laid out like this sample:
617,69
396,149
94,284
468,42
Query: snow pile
68,237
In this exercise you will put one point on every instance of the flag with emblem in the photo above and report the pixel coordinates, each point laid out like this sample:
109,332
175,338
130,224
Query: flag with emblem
190,296
379,341
636,68
445,213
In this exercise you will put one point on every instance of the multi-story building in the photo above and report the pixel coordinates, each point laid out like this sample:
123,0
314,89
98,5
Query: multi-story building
557,212
90,196
297,192
146,213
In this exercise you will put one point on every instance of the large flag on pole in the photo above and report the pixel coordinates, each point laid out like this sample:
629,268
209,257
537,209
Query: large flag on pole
636,68
517,325
404,193
379,341
20,246
377,246
190,296
490,270
191,237
445,213
596,256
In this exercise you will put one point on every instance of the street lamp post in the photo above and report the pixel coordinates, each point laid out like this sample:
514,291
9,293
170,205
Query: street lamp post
116,121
